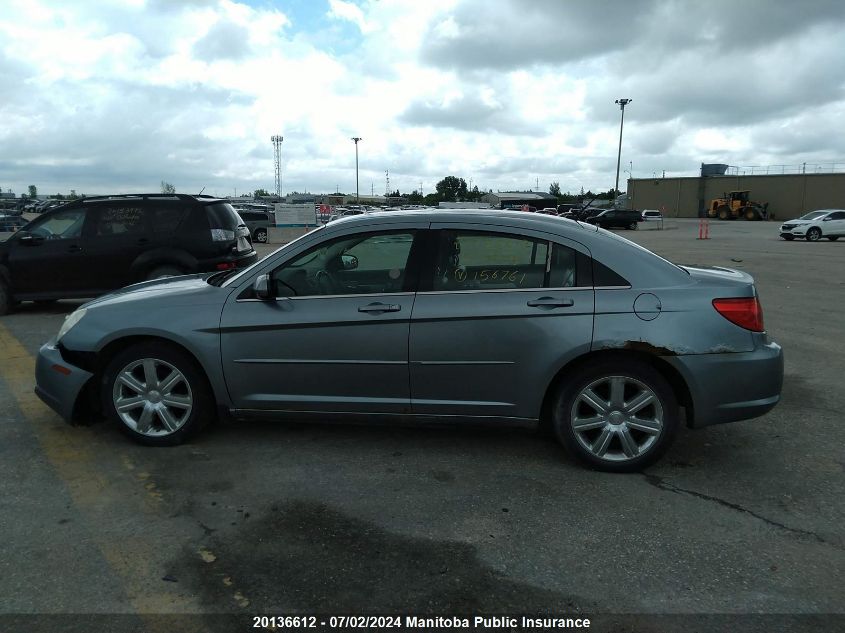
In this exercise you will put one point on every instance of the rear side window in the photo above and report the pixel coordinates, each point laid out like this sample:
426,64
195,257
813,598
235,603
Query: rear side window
168,218
120,220
472,260
221,215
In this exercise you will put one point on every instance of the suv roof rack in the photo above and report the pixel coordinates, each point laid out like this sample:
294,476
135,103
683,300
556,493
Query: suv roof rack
148,196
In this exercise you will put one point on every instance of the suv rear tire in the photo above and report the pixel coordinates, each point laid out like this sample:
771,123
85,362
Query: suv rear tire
162,272
260,236
6,301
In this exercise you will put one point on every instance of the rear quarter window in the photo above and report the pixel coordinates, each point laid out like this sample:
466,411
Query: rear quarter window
167,219
221,215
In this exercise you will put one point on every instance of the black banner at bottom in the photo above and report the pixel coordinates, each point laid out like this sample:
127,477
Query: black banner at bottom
401,623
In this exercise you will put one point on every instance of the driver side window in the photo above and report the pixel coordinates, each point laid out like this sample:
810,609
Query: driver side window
365,263
61,225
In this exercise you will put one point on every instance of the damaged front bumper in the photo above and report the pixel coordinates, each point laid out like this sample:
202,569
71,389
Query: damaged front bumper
57,382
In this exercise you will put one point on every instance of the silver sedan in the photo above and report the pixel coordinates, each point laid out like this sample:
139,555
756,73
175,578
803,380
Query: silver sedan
506,317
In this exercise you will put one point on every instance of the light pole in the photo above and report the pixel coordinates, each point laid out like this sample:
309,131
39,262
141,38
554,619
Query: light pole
357,195
622,103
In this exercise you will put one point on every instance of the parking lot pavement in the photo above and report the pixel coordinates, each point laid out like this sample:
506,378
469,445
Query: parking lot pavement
281,517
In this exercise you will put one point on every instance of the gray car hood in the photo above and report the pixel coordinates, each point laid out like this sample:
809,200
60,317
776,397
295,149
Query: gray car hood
171,291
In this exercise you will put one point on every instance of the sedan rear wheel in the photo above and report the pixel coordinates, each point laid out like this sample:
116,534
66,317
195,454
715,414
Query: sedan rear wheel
620,415
156,394
813,234
261,236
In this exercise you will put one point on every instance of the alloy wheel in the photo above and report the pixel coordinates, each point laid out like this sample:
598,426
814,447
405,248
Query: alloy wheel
152,397
617,418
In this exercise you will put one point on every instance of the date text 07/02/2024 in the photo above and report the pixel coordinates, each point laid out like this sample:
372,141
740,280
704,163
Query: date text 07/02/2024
420,622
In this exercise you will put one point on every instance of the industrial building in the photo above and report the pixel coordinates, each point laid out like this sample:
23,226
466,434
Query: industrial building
788,195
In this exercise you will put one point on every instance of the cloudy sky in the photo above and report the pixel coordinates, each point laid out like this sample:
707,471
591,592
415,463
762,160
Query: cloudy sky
108,96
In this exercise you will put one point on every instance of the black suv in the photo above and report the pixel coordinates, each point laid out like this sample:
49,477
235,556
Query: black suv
93,245
618,218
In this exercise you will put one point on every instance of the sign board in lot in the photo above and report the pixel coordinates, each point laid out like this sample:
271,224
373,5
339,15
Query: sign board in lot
295,215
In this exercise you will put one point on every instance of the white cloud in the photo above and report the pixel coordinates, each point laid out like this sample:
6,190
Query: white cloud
118,95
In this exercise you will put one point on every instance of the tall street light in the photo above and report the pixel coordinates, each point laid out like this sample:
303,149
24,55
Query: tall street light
357,196
622,103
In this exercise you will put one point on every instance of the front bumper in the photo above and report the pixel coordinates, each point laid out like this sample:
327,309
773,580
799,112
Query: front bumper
728,387
57,382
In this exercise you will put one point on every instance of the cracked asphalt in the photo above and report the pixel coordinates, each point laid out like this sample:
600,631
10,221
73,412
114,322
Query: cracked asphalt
745,518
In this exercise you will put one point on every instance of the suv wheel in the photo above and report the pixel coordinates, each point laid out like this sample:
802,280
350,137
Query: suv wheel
156,394
619,415
260,236
6,301
633,226
161,272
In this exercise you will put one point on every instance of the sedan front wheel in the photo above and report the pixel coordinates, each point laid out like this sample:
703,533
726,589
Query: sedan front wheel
156,394
619,415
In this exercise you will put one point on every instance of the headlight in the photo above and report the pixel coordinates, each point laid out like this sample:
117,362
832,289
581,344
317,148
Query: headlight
70,320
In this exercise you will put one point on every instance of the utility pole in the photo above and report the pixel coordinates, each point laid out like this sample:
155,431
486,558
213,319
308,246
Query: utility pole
277,162
622,103
357,194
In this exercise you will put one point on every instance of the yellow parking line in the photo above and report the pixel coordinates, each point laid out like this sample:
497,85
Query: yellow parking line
71,452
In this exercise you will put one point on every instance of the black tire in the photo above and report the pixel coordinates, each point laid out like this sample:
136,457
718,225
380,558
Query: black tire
162,272
192,386
260,236
814,233
788,238
633,226
6,300
630,369
833,238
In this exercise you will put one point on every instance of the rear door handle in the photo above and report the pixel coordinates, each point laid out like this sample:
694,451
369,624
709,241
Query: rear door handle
73,248
380,307
142,240
550,302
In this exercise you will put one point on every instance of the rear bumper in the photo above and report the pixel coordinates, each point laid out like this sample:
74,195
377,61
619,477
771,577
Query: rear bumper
57,382
728,387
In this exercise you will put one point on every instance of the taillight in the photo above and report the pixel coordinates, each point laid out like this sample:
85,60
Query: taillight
222,235
745,312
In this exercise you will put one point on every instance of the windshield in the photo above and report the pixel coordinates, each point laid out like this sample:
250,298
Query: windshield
813,215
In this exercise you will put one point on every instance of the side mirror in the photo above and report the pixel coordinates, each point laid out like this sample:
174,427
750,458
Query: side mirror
350,262
27,238
261,287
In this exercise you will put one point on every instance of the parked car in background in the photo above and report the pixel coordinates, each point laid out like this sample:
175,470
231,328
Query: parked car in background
813,226
500,316
651,214
10,223
616,218
93,245
258,223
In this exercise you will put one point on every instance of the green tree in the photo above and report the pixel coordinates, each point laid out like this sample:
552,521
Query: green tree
33,191
415,197
167,187
261,193
451,188
554,189
73,195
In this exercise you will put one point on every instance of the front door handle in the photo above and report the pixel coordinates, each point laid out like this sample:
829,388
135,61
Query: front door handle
380,307
550,302
74,248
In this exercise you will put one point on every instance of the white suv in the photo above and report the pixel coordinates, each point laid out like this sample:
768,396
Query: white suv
829,223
